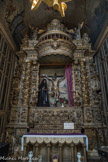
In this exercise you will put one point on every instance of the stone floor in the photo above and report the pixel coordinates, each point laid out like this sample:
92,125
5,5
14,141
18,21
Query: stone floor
102,160
89,160
97,160
94,160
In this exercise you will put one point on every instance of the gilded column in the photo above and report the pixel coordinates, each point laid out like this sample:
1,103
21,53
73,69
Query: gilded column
77,83
33,90
26,90
34,83
84,81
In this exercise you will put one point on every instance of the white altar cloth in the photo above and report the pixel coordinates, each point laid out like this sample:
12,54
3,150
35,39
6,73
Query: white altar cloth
33,138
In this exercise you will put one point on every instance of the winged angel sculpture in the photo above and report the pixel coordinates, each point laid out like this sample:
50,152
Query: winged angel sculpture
59,5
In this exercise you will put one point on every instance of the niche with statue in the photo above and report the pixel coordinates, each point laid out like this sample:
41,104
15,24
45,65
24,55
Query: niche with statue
54,87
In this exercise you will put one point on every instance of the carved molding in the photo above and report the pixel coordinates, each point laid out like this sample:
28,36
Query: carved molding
54,140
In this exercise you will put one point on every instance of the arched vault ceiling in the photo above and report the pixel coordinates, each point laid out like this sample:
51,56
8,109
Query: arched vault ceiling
43,15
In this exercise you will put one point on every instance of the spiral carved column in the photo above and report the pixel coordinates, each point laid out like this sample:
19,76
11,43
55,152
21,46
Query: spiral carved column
27,81
34,83
84,82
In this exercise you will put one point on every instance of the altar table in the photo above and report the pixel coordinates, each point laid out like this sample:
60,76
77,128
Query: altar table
54,138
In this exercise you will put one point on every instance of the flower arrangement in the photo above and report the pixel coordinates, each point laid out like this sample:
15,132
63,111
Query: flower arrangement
62,101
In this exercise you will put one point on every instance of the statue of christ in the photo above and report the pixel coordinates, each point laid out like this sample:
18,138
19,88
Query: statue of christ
55,82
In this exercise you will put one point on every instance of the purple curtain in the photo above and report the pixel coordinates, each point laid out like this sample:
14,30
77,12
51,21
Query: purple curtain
68,75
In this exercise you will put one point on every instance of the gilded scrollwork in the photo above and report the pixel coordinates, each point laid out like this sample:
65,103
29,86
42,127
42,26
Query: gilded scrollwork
86,86
27,82
84,83
55,41
25,42
88,115
91,133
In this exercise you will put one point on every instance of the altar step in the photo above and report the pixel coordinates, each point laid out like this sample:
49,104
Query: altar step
49,126
54,131
52,128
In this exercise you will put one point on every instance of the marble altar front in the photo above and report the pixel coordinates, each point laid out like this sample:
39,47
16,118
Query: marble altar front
54,139
58,140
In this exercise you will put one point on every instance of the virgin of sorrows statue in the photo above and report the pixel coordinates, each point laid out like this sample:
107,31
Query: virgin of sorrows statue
43,99
55,85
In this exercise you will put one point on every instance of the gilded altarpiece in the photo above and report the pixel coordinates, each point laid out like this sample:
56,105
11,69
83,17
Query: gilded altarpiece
56,47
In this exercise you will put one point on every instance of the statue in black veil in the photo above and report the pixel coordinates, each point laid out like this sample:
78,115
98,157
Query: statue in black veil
43,99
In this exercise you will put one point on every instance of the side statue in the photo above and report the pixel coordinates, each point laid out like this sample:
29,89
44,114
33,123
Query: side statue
43,99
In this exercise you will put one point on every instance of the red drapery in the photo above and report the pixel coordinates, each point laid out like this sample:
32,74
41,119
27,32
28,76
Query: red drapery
68,75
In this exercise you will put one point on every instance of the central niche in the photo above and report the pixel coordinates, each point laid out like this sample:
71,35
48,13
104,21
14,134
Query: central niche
55,49
49,71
